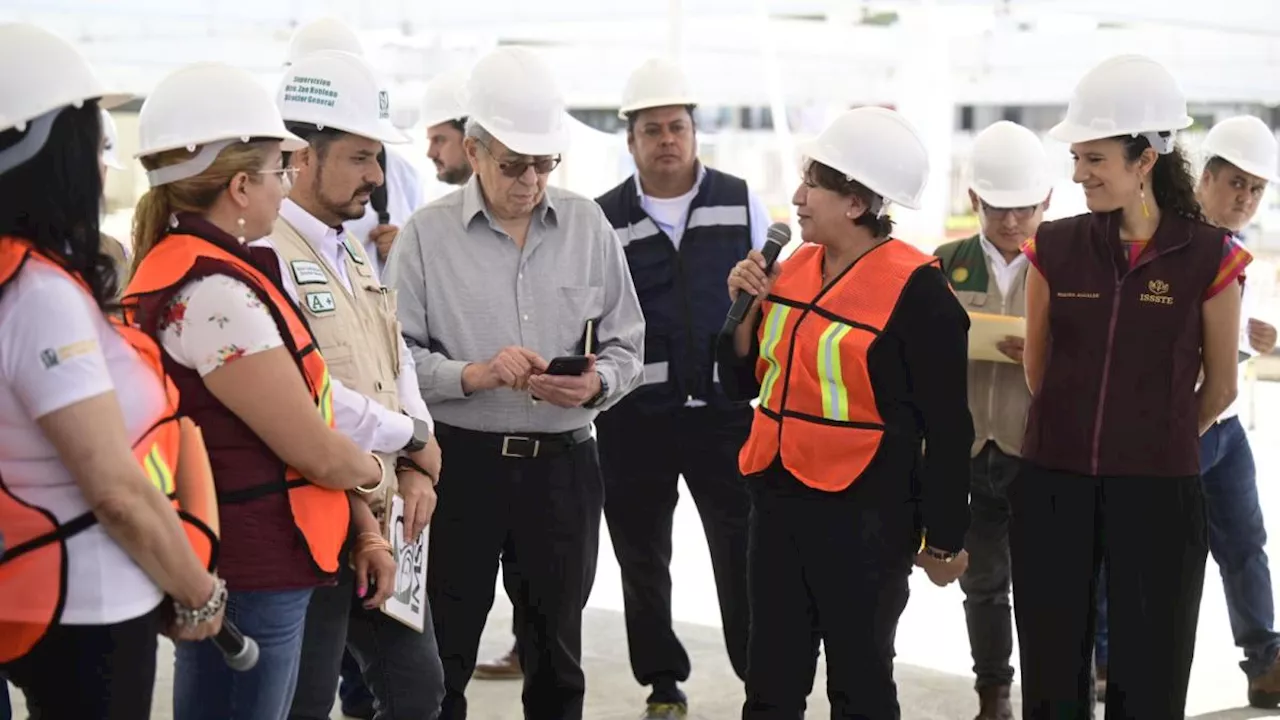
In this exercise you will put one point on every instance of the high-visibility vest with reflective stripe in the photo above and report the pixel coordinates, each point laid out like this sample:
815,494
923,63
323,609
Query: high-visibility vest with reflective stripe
817,409
322,515
33,550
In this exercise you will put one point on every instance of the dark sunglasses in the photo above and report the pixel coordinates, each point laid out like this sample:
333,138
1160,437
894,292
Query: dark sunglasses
516,168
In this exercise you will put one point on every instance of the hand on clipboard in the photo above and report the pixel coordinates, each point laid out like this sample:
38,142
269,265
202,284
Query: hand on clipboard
569,380
996,338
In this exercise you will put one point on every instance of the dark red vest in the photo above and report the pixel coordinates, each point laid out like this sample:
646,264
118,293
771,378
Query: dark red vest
1118,396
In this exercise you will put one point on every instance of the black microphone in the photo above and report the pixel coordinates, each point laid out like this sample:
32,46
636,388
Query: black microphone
378,198
240,652
779,235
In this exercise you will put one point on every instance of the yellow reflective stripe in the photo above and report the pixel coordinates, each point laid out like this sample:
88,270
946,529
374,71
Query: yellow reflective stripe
325,401
835,398
158,470
773,325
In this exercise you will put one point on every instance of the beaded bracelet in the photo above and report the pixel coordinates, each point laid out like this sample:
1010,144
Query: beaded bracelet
188,617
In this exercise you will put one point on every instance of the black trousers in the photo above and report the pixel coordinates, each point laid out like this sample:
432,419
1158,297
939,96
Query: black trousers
643,457
541,516
400,665
829,568
91,672
986,582
1151,531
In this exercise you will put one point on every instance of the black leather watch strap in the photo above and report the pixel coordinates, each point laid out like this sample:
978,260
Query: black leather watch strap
405,463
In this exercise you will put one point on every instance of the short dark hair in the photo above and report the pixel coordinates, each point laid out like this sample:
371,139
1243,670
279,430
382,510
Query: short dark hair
827,177
634,116
318,138
54,199
1216,164
459,124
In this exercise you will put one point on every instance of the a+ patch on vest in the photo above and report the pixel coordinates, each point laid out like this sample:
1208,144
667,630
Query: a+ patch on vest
321,302
306,272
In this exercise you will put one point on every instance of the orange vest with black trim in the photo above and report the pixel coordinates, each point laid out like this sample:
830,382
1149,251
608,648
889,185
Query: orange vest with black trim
33,550
321,515
817,409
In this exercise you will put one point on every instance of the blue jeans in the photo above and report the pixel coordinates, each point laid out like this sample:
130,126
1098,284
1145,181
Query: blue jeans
204,688
1236,538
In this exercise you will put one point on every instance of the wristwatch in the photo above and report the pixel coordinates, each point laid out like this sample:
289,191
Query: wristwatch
407,464
940,555
421,434
599,397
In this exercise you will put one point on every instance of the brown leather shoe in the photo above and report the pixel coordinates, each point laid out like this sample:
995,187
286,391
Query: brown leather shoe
506,667
1264,690
993,703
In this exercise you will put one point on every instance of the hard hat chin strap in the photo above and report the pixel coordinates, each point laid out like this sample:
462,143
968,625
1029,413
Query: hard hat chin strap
1161,142
31,143
188,168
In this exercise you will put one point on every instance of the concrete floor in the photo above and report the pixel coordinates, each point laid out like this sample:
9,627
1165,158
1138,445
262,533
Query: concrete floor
932,644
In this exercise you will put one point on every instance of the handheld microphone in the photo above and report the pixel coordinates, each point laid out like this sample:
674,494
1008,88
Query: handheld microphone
779,235
240,652
378,199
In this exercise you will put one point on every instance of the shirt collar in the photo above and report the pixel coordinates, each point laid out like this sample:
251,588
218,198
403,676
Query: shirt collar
697,181
473,204
996,256
326,240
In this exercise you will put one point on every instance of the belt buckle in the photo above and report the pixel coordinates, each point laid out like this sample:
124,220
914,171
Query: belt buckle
507,451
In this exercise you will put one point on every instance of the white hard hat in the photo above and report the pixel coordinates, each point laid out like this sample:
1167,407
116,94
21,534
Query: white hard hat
878,148
1124,95
443,98
211,105
512,94
656,83
40,72
1010,166
110,138
323,34
338,90
1246,142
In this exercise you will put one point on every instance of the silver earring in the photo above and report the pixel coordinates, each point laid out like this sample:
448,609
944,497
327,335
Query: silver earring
240,222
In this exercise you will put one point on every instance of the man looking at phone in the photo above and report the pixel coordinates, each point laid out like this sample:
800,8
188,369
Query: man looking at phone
495,281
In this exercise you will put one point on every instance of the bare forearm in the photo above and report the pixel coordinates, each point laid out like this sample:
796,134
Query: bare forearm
1212,399
145,525
343,467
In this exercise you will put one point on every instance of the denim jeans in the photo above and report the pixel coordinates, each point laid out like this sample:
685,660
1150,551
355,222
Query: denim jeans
1236,539
204,688
986,584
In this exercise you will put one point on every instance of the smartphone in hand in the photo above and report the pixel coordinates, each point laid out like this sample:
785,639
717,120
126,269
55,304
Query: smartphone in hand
568,365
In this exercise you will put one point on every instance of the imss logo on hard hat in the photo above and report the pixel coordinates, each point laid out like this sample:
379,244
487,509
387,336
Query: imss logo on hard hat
384,105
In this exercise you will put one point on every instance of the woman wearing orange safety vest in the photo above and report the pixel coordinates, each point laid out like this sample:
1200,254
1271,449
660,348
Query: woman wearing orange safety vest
249,373
859,350
93,457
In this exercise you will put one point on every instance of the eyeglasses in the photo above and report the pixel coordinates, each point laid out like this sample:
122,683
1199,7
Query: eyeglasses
1020,213
515,168
287,174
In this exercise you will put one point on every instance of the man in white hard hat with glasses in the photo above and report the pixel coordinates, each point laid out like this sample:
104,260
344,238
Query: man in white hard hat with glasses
390,208
1010,187
1241,158
516,300
684,226
334,101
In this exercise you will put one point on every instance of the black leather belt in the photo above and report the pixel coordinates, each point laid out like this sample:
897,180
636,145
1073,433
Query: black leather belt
516,445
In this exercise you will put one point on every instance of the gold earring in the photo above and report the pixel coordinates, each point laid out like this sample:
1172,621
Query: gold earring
1142,193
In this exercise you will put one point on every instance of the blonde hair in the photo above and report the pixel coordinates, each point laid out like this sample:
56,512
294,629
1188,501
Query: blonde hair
196,194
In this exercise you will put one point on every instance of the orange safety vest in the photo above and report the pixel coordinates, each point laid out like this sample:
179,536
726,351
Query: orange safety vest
817,408
322,515
33,550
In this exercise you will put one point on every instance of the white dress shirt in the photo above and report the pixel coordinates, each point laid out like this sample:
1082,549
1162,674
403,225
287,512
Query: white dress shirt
1004,270
367,422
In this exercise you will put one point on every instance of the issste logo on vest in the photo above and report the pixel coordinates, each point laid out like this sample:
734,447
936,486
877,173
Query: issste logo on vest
1159,293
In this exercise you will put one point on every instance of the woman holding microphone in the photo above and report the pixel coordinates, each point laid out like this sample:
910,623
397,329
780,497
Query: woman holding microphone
89,442
1128,307
858,351
249,373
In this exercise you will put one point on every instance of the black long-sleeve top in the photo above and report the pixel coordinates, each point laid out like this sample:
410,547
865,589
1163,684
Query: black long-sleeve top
918,370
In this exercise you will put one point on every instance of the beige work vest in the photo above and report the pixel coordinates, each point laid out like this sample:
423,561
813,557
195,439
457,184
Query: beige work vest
356,331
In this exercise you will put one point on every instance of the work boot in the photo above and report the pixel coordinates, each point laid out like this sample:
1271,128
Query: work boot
993,703
1264,690
1100,683
665,711
506,667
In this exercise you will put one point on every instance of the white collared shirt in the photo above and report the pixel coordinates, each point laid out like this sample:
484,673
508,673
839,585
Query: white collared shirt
367,422
1004,270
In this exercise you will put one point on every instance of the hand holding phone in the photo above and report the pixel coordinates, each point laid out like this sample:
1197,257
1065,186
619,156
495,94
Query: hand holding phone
568,365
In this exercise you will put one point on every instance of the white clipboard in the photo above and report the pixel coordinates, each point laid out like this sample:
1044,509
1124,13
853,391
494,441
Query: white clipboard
408,604
987,330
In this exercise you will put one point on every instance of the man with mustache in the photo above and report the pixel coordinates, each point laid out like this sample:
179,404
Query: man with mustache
684,226
1241,156
446,122
333,100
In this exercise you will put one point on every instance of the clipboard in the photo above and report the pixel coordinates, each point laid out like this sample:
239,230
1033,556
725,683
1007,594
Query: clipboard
408,603
987,330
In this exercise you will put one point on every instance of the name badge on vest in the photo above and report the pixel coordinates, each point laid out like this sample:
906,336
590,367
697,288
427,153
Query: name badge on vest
306,272
321,302
355,258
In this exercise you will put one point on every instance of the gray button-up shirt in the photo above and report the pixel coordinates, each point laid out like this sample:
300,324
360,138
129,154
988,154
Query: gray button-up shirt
466,291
